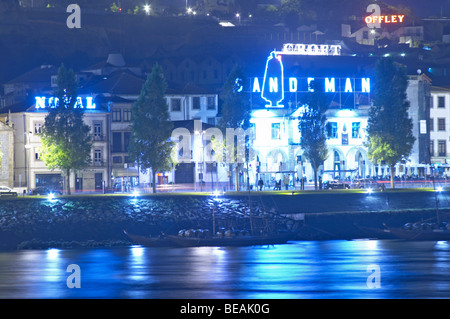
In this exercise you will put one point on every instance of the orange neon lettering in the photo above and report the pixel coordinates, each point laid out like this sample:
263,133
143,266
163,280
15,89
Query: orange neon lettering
394,19
400,18
381,18
387,19
368,19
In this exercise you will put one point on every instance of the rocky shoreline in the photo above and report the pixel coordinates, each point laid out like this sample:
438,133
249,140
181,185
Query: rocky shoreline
99,221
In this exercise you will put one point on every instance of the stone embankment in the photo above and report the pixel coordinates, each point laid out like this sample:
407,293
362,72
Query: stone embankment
90,221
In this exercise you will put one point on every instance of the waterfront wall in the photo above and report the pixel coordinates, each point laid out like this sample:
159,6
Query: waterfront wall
75,221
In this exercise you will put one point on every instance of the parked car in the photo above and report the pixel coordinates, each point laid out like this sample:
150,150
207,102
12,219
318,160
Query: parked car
42,190
367,183
335,185
6,191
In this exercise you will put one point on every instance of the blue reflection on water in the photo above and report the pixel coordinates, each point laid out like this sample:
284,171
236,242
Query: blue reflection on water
326,269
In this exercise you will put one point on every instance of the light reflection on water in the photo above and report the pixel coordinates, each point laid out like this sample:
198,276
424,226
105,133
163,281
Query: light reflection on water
304,269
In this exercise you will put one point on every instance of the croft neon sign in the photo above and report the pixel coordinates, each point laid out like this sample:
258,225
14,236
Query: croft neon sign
310,49
43,102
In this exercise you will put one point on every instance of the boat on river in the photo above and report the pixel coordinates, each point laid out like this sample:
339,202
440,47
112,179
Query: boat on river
160,241
211,241
422,231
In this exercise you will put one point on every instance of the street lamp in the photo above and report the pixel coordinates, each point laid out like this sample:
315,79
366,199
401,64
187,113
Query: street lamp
147,9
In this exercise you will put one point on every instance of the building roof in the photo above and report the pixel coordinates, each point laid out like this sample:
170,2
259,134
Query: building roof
117,83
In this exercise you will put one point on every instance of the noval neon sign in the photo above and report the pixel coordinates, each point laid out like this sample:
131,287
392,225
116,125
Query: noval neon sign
43,102
273,85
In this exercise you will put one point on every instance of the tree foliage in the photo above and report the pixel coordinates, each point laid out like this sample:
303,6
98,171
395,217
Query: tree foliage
235,116
312,128
389,125
66,140
151,127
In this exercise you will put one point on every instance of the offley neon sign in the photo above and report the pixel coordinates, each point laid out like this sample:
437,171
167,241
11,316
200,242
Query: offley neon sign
386,19
43,102
274,85
376,18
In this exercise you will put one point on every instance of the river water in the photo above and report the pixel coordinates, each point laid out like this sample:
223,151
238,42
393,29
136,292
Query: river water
300,269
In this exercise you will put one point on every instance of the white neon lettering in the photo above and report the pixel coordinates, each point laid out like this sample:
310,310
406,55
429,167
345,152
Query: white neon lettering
311,49
348,85
273,84
40,102
292,84
365,85
89,104
256,87
43,102
330,85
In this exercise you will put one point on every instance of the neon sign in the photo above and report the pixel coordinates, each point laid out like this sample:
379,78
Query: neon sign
376,18
311,49
273,88
43,102
386,19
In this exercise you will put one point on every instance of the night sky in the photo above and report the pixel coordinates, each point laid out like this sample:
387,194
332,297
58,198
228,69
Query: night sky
424,8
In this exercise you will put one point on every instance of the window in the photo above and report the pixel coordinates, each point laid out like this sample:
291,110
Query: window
117,159
431,124
442,148
36,156
175,105
441,124
116,115
117,142
332,130
196,103
127,115
97,157
38,128
356,129
126,140
211,120
431,147
98,131
211,103
441,102
276,131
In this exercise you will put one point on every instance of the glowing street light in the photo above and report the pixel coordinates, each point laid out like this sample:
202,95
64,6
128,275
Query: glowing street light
147,9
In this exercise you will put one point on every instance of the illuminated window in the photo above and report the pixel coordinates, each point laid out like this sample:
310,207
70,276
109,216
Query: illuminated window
332,130
356,128
276,131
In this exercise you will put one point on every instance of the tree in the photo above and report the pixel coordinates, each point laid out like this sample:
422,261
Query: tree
390,137
66,140
235,116
312,128
151,127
